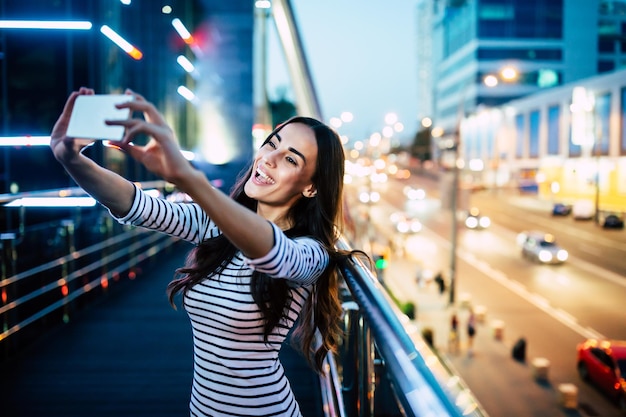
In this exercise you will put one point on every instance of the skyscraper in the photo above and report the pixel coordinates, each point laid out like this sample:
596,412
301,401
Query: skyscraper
542,43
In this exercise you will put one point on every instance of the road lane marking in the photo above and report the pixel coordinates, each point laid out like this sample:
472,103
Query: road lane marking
535,299
566,316
590,249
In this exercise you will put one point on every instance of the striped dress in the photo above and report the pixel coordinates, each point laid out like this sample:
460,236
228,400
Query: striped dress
236,373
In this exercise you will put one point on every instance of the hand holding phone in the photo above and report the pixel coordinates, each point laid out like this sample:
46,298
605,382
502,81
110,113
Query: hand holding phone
90,112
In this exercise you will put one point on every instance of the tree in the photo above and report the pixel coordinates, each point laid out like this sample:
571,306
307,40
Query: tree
281,109
421,146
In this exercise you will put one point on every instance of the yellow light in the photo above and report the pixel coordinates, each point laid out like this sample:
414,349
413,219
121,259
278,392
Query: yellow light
437,132
135,53
509,73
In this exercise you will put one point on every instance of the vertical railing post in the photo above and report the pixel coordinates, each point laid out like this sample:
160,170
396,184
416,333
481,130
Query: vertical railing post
367,376
357,360
67,231
349,358
106,230
8,257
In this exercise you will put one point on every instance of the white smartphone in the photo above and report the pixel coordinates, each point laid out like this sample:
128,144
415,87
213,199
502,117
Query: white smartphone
90,112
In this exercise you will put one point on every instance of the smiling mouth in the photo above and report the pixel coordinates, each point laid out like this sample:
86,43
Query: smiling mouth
261,176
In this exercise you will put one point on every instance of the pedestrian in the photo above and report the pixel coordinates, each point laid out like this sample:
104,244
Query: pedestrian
453,340
441,284
419,276
471,332
263,257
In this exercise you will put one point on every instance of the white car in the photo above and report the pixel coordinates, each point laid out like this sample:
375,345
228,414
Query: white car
475,220
414,193
541,247
404,223
583,210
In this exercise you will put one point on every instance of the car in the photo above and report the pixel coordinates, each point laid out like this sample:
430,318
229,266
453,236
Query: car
541,247
405,223
603,364
474,220
583,210
561,209
613,221
367,196
414,193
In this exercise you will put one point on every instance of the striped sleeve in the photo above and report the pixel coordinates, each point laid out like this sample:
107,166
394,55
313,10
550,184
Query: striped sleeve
301,260
184,220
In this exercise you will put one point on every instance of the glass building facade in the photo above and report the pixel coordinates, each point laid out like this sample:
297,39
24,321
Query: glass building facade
40,67
548,43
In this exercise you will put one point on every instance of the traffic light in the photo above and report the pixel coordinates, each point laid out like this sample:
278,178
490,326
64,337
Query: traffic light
381,261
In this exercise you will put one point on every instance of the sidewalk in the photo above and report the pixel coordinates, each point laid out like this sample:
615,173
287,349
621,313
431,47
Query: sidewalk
501,384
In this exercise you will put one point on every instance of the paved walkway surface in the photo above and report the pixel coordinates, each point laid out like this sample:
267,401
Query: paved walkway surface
129,355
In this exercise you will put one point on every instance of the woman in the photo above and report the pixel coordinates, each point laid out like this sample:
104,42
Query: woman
264,256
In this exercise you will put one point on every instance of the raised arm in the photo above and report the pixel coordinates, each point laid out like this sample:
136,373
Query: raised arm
248,231
109,188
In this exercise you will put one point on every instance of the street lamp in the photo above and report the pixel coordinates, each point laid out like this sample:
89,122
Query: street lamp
506,74
583,134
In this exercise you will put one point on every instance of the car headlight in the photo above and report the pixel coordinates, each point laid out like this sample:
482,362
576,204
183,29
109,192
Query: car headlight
416,227
402,227
485,222
562,255
471,222
545,256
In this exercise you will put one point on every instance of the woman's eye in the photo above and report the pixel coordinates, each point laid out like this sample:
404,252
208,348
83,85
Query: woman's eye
272,144
291,160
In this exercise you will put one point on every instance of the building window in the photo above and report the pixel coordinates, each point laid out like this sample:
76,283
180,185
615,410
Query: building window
519,135
554,113
533,148
494,54
520,19
603,112
606,45
574,150
605,66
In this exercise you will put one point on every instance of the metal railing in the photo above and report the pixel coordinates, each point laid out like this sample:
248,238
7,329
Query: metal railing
53,262
382,344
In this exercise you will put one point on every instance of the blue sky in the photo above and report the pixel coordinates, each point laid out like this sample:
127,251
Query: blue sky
362,58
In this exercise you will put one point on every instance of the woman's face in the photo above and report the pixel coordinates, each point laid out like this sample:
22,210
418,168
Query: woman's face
283,169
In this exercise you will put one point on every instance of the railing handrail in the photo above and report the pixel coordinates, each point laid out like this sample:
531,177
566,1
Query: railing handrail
423,384
69,191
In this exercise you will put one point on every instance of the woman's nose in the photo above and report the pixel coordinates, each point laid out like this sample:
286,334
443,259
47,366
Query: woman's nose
269,158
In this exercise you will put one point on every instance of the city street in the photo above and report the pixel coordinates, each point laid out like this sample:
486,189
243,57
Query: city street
552,307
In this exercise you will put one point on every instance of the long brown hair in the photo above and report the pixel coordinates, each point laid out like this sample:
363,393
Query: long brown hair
319,217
